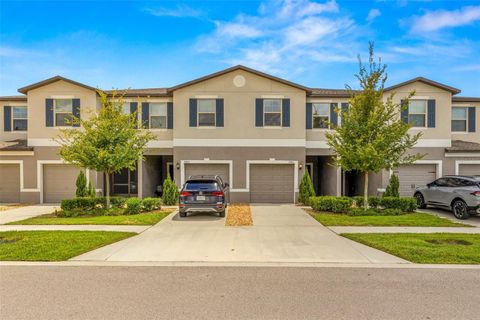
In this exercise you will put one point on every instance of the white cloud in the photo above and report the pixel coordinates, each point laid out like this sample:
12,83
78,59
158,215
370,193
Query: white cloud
440,19
180,11
373,13
467,68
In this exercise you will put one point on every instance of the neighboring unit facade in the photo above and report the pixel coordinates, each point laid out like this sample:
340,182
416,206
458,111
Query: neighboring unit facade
259,132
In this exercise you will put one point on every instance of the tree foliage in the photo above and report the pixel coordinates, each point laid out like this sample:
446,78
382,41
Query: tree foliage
306,188
393,188
372,135
108,140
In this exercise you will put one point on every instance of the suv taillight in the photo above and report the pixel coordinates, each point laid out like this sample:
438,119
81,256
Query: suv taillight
218,193
185,194
475,193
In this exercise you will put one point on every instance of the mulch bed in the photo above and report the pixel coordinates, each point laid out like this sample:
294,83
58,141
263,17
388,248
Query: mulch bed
239,215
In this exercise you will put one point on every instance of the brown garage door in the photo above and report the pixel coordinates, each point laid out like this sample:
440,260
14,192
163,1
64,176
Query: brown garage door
271,183
193,169
469,169
59,182
415,175
10,183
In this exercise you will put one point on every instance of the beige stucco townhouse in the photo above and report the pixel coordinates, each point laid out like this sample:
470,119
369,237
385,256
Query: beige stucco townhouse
259,132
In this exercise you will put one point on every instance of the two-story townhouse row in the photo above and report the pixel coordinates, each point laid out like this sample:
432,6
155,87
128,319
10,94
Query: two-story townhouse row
259,132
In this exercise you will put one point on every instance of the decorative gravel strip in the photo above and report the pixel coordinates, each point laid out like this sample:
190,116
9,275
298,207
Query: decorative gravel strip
239,215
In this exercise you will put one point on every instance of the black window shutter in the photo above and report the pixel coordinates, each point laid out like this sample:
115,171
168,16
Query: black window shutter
49,112
471,119
333,114
404,111
169,115
7,118
219,113
146,115
431,113
285,112
193,112
133,109
76,112
308,116
258,112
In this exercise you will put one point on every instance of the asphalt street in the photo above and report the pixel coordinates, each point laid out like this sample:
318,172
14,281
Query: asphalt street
88,292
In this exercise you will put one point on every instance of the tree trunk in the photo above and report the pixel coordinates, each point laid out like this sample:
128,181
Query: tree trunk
365,191
107,189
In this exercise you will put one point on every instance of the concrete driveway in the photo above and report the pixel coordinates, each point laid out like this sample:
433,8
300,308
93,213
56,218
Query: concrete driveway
281,233
21,213
474,220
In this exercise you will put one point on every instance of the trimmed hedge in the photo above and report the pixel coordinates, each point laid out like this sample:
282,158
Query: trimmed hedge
134,206
149,204
85,204
345,204
375,212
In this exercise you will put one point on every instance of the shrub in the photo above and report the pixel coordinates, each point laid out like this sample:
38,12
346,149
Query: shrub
393,187
306,189
81,184
374,212
134,206
404,204
170,192
358,200
118,202
331,204
149,204
374,202
91,190
83,203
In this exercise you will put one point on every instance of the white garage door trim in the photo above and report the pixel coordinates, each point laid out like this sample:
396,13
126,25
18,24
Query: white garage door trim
207,161
40,164
460,162
295,172
19,162
438,163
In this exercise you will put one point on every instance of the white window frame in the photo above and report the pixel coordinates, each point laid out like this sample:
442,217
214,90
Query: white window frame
281,115
466,119
55,112
328,116
13,118
150,115
426,113
214,114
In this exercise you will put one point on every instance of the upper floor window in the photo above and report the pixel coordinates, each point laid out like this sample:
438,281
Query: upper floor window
417,113
206,112
158,116
459,119
63,109
272,112
320,115
19,118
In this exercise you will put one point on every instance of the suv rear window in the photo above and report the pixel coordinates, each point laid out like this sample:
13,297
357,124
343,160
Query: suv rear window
195,185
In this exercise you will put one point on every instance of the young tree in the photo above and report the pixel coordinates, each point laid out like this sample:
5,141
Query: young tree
81,184
393,188
170,192
372,135
306,188
108,140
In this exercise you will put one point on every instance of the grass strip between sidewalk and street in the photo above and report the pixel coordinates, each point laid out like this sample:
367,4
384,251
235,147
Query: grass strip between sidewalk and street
416,219
432,248
239,215
143,219
53,245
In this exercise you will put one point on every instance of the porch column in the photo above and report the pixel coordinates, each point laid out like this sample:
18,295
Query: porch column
140,178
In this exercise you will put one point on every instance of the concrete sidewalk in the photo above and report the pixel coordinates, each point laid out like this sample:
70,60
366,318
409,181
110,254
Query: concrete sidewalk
26,212
122,228
281,233
339,230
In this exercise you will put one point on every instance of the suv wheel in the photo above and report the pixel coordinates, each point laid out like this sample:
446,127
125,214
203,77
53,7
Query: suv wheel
222,214
420,200
183,214
460,210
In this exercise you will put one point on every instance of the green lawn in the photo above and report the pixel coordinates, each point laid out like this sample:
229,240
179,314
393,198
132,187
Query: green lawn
53,245
406,220
134,219
444,248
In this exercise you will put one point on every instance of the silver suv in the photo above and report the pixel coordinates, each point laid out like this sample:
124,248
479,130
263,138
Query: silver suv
461,194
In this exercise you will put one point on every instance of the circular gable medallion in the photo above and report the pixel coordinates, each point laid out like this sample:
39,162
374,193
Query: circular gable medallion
239,81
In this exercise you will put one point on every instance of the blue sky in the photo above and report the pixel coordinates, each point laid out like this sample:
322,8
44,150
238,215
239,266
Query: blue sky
139,44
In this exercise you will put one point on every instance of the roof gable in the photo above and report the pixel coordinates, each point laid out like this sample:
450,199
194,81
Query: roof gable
426,81
24,90
234,68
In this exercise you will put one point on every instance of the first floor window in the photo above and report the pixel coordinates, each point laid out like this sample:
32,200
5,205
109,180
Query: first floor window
158,115
320,115
272,112
19,118
63,112
417,113
459,119
126,108
206,112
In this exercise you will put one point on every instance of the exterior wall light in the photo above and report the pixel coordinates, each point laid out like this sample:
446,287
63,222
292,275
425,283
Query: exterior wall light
177,165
